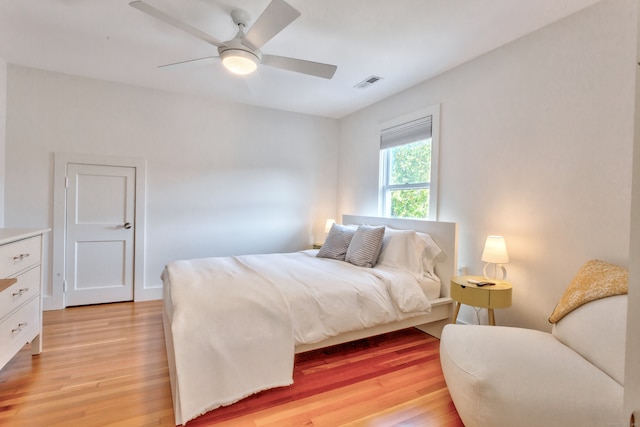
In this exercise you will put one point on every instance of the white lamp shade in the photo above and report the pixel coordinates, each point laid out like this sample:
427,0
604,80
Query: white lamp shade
495,250
328,225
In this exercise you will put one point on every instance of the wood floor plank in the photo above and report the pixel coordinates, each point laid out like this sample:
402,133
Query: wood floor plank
106,365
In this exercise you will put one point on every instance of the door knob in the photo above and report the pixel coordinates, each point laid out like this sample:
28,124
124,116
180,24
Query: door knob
127,225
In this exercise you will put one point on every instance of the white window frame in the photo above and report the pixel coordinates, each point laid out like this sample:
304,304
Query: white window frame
434,112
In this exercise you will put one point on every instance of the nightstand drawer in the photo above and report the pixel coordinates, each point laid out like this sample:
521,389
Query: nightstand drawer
468,295
19,255
465,290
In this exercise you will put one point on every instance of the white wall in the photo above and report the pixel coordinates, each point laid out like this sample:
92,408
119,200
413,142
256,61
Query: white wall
535,144
222,178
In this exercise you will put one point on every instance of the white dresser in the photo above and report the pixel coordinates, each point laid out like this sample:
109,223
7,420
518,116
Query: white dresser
20,291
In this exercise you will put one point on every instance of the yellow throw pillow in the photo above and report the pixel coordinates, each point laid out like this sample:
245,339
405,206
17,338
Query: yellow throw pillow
595,280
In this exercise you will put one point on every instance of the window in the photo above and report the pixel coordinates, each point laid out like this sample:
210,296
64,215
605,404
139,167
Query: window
408,165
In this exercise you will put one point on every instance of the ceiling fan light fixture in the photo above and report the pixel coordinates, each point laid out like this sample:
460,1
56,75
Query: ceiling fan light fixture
239,61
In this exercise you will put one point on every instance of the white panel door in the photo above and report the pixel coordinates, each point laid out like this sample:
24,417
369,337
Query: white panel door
99,234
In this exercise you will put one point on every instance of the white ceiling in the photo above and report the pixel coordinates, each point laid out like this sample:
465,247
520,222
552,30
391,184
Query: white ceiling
403,41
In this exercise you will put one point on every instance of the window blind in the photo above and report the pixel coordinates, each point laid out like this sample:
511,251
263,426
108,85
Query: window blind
406,133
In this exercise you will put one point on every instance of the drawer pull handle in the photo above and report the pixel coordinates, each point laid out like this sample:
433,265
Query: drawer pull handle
20,257
20,292
20,327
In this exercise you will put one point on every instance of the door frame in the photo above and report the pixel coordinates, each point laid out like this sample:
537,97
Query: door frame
55,300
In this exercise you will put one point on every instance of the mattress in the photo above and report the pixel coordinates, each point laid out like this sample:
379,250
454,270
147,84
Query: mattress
431,288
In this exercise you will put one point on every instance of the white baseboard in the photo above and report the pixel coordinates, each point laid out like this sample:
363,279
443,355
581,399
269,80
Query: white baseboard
50,303
150,294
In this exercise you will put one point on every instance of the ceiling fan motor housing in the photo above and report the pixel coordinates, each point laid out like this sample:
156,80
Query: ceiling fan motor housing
236,45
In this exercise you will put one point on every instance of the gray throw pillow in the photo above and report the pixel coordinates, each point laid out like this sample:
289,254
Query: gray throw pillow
365,246
337,242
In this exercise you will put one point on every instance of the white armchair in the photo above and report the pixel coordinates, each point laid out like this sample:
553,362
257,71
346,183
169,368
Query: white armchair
574,376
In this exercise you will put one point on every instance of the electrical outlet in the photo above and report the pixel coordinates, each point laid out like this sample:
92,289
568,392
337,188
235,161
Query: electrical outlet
462,271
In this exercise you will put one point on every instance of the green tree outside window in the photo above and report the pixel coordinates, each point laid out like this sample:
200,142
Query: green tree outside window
408,179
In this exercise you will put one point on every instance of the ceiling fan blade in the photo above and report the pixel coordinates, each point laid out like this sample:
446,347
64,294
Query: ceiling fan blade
205,60
158,14
317,69
277,16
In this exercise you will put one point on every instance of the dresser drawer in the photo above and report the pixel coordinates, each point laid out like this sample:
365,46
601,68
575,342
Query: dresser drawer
20,327
19,255
25,288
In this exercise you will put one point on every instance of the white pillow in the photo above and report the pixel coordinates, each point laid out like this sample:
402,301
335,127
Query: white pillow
430,255
413,252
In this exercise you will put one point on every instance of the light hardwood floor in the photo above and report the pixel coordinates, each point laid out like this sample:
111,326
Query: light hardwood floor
105,365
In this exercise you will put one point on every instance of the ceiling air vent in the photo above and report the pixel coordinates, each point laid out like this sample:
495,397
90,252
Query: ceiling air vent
368,82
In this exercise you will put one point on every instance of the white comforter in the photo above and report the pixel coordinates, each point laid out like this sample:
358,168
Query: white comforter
235,320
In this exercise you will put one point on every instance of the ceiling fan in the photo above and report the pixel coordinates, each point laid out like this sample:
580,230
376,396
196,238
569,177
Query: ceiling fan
241,55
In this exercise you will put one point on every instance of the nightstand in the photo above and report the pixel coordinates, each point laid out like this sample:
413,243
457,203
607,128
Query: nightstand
317,246
489,296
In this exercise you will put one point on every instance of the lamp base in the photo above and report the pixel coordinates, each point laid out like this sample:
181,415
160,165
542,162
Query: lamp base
495,271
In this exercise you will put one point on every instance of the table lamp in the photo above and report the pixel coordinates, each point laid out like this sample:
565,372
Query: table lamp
328,224
495,252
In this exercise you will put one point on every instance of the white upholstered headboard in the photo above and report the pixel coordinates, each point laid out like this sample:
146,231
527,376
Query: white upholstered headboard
445,234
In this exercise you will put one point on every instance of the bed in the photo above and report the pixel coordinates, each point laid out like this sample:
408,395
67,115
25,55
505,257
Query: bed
233,325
